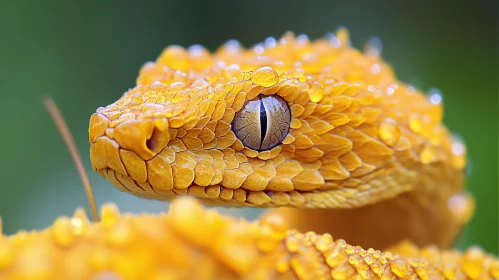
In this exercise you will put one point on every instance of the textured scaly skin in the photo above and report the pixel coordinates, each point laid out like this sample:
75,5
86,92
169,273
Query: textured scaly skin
367,150
192,243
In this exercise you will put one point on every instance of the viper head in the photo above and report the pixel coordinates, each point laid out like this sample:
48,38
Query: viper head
299,123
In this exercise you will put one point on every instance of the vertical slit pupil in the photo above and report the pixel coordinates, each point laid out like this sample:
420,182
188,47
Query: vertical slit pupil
263,122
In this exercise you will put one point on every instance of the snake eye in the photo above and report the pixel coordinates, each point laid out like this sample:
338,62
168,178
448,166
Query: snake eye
263,122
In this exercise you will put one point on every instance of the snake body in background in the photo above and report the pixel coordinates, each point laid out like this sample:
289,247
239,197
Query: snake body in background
321,132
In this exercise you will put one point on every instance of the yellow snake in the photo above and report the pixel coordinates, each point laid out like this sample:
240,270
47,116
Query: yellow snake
323,133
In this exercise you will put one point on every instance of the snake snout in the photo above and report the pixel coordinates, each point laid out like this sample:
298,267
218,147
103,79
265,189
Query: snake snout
120,149
144,137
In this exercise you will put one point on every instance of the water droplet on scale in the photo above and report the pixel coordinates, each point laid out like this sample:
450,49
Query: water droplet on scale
391,89
458,149
461,206
375,68
258,48
389,132
373,47
435,96
333,40
232,46
270,42
196,50
302,39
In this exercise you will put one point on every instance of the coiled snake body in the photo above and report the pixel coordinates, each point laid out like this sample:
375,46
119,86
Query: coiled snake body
321,132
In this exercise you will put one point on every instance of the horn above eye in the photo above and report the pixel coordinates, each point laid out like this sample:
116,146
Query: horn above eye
263,122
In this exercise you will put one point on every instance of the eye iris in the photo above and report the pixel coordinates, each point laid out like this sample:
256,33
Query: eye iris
263,122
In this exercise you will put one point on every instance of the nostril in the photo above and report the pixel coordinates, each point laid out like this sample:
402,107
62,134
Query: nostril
144,137
153,143
159,137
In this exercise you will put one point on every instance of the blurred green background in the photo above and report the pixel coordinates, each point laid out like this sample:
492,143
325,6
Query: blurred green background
85,55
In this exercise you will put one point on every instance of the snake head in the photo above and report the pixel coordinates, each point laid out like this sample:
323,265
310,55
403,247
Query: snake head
295,123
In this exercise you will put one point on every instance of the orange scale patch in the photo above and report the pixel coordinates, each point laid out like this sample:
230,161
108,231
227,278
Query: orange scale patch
182,176
228,115
134,165
334,171
289,169
253,92
185,159
203,174
233,178
192,143
308,180
255,182
107,151
280,183
203,157
350,160
231,162
308,110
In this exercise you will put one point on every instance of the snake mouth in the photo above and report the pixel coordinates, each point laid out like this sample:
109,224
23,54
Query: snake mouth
210,195
217,195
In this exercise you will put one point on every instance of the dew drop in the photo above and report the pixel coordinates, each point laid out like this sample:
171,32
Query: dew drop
316,92
375,68
458,149
415,123
221,64
302,39
177,85
270,42
265,76
373,47
333,40
461,207
369,260
77,225
156,83
232,46
389,132
196,50
258,48
79,221
354,260
233,68
427,155
399,268
435,96
292,244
